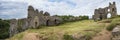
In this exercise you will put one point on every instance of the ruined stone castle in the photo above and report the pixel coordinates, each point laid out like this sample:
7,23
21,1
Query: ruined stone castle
35,19
102,13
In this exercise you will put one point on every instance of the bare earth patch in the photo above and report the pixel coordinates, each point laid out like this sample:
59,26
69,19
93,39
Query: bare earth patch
103,35
31,36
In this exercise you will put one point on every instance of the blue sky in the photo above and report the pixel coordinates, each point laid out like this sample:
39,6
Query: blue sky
18,8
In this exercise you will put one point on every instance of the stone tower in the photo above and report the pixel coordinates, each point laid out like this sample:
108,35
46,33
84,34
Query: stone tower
31,12
33,17
113,9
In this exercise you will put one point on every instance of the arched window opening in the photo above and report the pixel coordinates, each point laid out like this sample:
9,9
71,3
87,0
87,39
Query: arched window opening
100,17
108,10
113,9
55,22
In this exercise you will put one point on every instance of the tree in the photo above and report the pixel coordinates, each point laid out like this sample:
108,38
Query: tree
4,29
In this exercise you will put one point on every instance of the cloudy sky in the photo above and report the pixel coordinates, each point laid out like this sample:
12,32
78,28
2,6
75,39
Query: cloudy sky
18,8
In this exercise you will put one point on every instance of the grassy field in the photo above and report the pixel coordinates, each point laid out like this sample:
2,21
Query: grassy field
85,27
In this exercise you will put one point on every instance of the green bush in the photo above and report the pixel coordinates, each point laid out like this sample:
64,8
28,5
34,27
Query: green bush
113,24
68,37
4,29
88,35
84,17
67,18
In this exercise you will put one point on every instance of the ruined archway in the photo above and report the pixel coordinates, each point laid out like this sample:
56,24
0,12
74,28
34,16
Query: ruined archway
36,22
107,12
109,15
55,21
100,17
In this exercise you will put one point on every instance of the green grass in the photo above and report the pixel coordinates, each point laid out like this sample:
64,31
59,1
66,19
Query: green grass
114,23
85,27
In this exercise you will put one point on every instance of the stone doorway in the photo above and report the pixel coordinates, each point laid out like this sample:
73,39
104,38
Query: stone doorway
47,23
36,24
100,17
55,22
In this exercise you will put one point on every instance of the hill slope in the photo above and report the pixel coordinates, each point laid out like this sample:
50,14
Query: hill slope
67,31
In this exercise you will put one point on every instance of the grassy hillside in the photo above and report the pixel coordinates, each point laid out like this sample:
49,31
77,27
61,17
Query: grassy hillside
64,31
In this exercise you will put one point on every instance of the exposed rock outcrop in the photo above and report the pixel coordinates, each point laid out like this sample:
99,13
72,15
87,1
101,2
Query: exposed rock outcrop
116,33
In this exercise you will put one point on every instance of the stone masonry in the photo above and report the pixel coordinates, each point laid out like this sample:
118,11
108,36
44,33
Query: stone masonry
102,13
35,19
116,33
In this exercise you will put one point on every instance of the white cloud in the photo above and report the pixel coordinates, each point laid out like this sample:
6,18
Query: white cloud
13,9
68,7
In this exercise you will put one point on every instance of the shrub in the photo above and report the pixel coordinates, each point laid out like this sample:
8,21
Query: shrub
84,17
113,24
68,37
4,28
88,35
70,18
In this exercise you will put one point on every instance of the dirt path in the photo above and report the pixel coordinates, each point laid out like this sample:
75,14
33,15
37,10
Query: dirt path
31,36
103,35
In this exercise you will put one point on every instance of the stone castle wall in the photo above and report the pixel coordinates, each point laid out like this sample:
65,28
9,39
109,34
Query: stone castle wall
35,19
102,13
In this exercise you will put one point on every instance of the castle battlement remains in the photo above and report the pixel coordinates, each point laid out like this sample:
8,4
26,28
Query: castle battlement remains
101,13
35,19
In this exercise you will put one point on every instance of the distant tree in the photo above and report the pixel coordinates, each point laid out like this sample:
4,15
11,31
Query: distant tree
4,29
0,19
84,17
68,18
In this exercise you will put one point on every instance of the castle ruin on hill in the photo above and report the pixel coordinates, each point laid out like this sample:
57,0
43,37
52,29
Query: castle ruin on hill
102,13
35,19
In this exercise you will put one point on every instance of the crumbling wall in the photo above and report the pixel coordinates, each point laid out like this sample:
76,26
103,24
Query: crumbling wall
101,13
13,27
35,19
17,26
